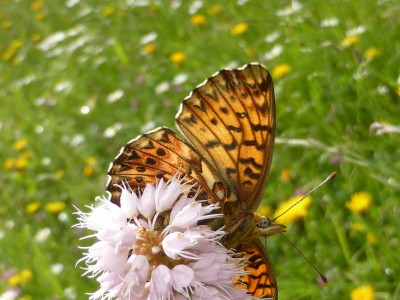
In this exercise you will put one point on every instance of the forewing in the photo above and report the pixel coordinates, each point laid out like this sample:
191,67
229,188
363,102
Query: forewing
230,120
260,278
162,154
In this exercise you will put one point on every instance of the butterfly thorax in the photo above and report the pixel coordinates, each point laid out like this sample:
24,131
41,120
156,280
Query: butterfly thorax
250,228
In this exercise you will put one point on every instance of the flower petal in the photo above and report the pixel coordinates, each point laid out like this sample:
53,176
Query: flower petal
160,283
166,195
146,205
188,216
181,203
129,202
139,268
182,277
174,245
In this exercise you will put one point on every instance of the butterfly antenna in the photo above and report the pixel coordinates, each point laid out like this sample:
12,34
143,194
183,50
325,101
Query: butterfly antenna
329,178
324,279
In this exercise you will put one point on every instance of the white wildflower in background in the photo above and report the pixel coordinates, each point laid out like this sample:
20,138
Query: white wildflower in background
162,87
356,30
152,247
272,37
379,128
180,78
114,96
329,22
112,130
150,37
274,52
289,10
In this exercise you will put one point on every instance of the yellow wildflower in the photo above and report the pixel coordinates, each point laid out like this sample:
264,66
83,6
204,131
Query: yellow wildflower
9,163
107,11
57,175
178,57
286,175
13,280
398,91
88,171
371,53
26,154
215,9
264,210
365,292
296,212
198,19
26,275
239,28
32,207
149,48
371,238
359,202
91,160
55,207
350,40
20,278
21,162
8,54
357,227
36,37
16,44
36,5
6,24
20,144
250,52
281,70
39,16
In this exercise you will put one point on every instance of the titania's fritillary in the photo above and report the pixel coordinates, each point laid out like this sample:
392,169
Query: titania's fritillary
228,124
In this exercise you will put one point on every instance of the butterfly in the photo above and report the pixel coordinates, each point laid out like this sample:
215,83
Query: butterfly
228,127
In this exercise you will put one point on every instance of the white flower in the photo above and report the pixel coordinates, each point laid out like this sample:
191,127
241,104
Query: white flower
114,96
379,128
153,247
150,37
180,78
329,22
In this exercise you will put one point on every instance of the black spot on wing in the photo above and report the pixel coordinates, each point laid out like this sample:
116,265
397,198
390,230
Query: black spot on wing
212,144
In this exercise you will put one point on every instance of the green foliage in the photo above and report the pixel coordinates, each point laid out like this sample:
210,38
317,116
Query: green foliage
63,61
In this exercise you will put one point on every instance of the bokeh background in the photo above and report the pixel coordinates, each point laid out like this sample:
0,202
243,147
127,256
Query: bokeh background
78,79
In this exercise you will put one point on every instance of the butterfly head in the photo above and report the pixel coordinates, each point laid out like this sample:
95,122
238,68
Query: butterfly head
264,226
251,227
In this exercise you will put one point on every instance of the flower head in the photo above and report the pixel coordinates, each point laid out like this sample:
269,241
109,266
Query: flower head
380,128
286,175
371,53
198,19
55,207
359,202
149,48
300,210
350,40
281,70
239,28
365,292
152,246
178,57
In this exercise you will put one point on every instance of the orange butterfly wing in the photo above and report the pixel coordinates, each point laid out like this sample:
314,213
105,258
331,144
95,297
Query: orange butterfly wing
162,154
230,120
260,278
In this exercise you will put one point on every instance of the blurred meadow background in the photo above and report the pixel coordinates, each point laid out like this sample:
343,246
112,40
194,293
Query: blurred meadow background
79,79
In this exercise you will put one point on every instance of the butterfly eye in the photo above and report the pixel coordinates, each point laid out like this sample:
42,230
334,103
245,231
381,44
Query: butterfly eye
264,222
